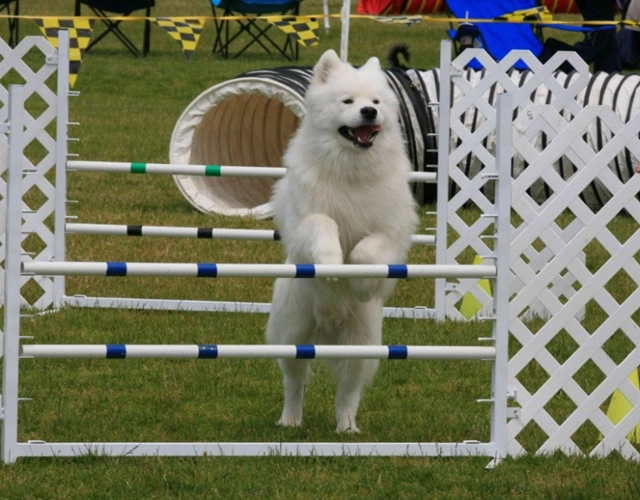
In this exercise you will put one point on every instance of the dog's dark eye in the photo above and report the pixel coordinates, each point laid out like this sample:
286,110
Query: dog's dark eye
348,101
376,101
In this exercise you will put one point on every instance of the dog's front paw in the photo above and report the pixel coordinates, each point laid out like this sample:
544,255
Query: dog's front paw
363,288
331,258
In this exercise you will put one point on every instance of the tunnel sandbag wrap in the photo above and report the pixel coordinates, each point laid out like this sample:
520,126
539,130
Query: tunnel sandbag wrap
249,120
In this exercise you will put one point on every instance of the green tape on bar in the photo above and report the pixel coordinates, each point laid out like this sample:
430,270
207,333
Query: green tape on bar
138,168
212,170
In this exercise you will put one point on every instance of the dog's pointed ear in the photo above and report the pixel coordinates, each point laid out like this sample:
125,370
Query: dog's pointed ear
372,64
328,62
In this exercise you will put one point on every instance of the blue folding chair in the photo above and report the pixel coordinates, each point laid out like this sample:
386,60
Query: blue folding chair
251,29
499,38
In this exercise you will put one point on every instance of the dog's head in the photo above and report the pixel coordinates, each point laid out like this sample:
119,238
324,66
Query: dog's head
357,104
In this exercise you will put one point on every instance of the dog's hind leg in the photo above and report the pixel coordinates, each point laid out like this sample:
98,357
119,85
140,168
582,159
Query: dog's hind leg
365,328
295,373
354,374
289,323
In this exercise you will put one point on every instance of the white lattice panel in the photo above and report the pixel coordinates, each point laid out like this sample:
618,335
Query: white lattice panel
34,64
573,182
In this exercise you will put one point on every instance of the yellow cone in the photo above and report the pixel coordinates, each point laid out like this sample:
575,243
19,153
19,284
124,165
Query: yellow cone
620,406
470,305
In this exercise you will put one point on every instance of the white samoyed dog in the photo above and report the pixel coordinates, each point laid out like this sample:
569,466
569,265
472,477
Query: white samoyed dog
344,199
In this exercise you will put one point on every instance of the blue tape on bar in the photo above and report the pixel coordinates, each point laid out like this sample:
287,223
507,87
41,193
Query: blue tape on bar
398,271
207,271
398,352
305,271
116,351
116,269
304,351
207,351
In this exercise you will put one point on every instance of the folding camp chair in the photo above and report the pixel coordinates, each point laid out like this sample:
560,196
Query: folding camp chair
5,5
499,38
104,8
257,31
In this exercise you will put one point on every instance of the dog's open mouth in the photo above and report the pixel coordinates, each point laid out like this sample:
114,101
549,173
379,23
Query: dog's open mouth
362,136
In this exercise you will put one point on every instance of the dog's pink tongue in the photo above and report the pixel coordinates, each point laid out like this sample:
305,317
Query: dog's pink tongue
365,131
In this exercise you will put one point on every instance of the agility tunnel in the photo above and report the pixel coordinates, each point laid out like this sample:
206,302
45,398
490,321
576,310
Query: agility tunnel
249,120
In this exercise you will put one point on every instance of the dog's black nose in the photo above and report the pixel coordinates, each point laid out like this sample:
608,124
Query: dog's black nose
369,112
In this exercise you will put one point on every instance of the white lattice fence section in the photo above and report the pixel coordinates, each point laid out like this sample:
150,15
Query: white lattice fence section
34,63
585,360
471,146
575,249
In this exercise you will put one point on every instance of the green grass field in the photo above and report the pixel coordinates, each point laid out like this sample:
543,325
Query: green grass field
127,109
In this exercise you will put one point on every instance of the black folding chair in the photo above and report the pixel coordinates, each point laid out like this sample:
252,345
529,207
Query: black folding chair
5,5
104,8
258,32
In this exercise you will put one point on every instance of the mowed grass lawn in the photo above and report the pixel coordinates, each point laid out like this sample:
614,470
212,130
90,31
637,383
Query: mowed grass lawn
127,109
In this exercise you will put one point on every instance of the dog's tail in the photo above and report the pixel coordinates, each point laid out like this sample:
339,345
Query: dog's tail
394,54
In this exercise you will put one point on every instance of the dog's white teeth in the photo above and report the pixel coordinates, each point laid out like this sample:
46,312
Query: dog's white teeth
365,134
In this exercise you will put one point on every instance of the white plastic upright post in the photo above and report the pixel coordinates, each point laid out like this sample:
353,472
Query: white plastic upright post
443,175
504,113
12,276
344,34
325,11
59,239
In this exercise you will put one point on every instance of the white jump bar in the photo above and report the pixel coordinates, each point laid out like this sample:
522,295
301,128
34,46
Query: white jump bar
205,170
206,270
197,232
231,351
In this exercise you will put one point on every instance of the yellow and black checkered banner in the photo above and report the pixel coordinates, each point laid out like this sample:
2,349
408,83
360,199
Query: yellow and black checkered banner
186,31
304,30
79,37
629,22
406,20
534,14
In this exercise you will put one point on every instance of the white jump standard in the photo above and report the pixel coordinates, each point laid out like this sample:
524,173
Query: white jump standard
18,349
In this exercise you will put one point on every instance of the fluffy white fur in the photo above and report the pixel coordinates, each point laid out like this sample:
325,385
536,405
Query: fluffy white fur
345,199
